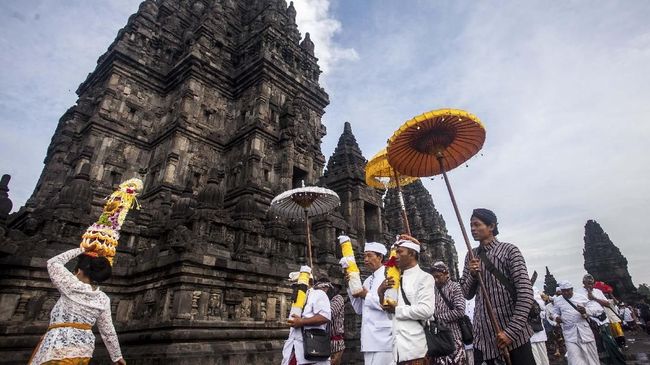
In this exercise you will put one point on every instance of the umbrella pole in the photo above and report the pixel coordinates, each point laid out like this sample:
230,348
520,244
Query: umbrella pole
311,260
405,218
486,300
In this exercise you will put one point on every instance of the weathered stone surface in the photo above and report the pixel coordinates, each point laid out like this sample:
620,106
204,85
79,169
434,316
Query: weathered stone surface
550,284
604,261
427,225
216,106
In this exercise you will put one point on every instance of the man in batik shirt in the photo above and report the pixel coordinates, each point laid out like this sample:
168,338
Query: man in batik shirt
508,287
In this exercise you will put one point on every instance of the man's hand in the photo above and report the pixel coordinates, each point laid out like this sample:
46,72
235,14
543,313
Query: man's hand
581,309
295,321
474,266
361,294
387,283
390,308
503,341
558,319
590,295
120,362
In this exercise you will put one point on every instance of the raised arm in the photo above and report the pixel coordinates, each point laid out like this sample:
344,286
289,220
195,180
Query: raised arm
524,290
107,331
61,277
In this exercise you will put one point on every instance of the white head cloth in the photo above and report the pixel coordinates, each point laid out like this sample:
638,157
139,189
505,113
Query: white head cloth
565,284
375,247
408,244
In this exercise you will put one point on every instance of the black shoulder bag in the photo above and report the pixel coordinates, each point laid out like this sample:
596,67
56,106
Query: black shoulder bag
534,316
593,325
464,323
316,343
440,341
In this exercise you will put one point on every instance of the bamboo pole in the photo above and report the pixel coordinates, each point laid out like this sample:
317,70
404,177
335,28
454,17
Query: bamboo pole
486,300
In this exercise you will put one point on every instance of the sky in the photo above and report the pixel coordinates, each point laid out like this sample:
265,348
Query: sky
563,89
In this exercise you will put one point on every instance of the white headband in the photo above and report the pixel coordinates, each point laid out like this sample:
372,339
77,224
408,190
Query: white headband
408,244
375,247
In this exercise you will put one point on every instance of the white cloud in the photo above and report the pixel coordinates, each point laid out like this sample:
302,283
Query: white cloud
563,92
314,16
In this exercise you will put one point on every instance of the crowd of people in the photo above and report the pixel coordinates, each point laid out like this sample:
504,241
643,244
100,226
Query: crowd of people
494,312
493,315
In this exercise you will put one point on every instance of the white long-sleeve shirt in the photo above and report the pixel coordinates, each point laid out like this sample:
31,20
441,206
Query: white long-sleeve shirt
376,327
575,328
598,294
317,303
79,303
410,341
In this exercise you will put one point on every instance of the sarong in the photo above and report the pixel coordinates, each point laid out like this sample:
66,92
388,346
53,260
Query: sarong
79,360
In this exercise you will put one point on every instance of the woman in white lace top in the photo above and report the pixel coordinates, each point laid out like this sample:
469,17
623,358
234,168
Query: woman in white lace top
69,338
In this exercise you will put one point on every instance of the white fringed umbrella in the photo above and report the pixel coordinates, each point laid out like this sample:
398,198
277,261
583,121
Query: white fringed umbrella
305,202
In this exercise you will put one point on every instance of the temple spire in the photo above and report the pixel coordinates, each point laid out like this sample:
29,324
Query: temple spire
605,262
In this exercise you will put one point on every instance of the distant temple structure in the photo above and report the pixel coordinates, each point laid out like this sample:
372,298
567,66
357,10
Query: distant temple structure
550,284
605,262
216,106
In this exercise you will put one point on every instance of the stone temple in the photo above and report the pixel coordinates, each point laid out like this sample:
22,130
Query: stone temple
604,261
216,106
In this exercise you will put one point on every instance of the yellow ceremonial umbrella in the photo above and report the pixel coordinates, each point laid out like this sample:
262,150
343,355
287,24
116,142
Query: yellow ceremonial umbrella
380,174
434,143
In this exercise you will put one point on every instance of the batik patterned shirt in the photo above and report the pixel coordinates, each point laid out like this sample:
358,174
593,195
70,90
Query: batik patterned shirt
511,313
337,328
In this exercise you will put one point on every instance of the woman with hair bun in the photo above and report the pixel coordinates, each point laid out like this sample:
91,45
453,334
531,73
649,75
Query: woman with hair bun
69,338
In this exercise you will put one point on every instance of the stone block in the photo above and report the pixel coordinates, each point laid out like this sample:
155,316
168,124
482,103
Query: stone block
8,304
123,310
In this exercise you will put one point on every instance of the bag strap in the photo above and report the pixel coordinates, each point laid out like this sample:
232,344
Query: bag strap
451,307
401,288
574,307
327,328
498,274
406,300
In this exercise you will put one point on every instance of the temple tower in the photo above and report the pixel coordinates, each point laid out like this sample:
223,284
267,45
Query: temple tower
361,205
550,284
427,225
216,106
605,262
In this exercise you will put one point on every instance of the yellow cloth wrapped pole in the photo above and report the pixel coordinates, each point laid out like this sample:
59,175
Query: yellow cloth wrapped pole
349,263
392,271
300,291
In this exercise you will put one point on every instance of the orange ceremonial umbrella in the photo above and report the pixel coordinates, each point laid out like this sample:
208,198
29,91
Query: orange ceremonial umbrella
434,143
416,147
380,174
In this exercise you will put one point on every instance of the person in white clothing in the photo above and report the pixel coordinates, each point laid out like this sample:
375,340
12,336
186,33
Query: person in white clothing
415,304
604,340
376,327
538,339
82,304
316,314
571,312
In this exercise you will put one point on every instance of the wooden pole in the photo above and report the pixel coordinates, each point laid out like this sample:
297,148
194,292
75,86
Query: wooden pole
311,260
400,196
486,300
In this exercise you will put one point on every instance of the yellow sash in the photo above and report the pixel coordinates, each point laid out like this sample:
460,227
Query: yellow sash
81,326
